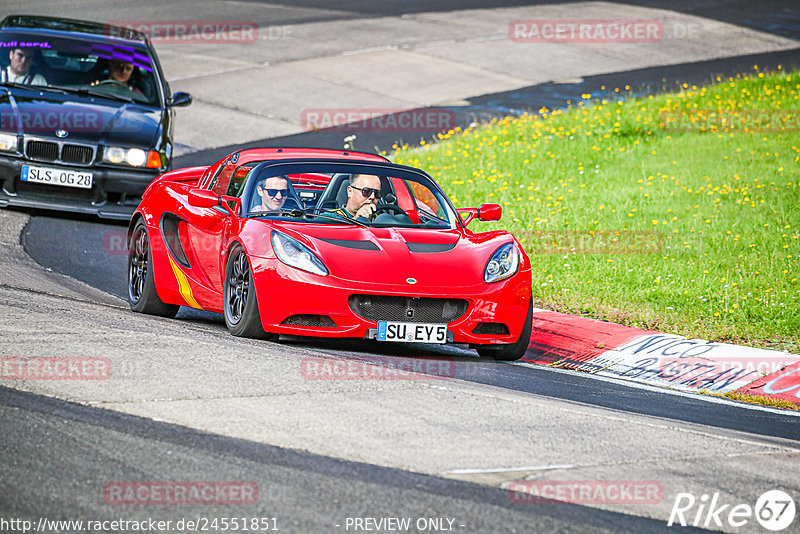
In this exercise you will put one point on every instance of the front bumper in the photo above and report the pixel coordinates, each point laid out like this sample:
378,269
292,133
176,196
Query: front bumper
115,193
284,292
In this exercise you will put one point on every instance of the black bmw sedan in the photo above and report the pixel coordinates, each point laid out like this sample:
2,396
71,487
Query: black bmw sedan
85,116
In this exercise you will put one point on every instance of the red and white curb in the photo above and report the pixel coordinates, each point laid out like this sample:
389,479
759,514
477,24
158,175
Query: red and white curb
660,359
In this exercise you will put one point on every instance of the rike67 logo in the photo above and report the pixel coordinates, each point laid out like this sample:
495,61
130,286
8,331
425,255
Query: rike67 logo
774,510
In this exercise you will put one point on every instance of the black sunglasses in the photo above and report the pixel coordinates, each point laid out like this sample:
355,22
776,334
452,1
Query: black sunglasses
367,191
273,192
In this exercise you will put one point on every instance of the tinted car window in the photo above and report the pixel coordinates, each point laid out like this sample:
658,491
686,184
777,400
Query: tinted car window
81,65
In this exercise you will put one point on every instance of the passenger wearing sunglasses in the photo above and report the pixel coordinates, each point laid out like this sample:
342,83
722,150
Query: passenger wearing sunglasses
273,192
362,198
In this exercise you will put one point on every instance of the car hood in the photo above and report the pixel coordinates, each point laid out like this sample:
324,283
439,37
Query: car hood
389,256
88,120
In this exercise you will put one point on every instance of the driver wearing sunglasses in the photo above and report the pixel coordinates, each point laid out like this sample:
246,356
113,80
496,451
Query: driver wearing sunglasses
362,197
273,192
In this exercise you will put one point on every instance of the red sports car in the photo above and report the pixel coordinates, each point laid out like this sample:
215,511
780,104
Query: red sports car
267,238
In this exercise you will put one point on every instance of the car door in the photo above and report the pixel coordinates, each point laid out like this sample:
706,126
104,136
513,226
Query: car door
207,231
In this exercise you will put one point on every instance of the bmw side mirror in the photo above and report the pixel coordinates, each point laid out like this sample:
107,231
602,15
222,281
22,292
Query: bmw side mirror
180,99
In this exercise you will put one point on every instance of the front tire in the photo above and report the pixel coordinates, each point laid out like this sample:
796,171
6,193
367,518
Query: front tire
142,295
512,351
240,301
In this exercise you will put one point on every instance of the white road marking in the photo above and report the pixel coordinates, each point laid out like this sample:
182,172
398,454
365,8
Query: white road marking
506,469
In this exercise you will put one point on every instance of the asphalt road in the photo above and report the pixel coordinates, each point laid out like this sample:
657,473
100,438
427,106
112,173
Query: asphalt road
93,254
229,400
303,492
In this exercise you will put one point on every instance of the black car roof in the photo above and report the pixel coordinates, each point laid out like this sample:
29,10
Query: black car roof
109,32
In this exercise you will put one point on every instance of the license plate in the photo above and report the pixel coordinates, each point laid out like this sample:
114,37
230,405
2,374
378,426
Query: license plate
54,176
412,332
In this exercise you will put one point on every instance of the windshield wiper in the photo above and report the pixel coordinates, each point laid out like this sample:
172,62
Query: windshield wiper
103,94
48,88
306,214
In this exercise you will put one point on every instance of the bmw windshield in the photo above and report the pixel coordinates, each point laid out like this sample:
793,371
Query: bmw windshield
115,69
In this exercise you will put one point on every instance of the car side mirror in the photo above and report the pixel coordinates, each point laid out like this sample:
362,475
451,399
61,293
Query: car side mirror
203,198
490,212
180,99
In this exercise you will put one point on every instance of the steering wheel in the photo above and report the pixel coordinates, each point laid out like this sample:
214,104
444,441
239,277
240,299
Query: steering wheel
382,207
114,83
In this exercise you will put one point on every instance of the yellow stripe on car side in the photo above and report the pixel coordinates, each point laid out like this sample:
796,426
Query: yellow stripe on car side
183,285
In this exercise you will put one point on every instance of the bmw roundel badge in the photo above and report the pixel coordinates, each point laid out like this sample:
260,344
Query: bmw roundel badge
61,133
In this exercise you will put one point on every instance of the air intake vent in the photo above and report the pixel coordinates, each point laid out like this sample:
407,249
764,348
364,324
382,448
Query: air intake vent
59,152
407,309
430,247
491,329
308,319
82,155
347,243
42,150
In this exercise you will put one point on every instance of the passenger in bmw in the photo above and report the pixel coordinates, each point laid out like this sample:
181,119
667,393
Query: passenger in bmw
362,198
19,68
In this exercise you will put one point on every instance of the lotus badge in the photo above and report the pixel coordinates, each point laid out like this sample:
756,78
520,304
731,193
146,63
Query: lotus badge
411,281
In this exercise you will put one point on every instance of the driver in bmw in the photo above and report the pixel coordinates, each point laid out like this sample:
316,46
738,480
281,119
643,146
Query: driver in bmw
121,71
362,198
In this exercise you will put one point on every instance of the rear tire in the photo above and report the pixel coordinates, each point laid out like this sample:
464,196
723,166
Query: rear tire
511,351
142,295
240,301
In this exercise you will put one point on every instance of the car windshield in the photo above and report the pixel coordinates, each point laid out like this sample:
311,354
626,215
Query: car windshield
330,193
119,70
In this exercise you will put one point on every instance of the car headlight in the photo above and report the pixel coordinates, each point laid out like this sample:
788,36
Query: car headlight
503,263
134,157
8,142
291,252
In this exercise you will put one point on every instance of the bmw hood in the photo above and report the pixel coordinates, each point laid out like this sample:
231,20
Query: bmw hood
83,119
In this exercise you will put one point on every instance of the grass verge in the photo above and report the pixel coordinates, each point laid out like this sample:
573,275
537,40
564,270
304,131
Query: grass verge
674,212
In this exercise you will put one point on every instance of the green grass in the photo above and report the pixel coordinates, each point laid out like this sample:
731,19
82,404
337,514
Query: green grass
754,399
630,218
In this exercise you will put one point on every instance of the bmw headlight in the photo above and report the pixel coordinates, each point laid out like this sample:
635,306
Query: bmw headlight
503,263
134,157
8,142
291,252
